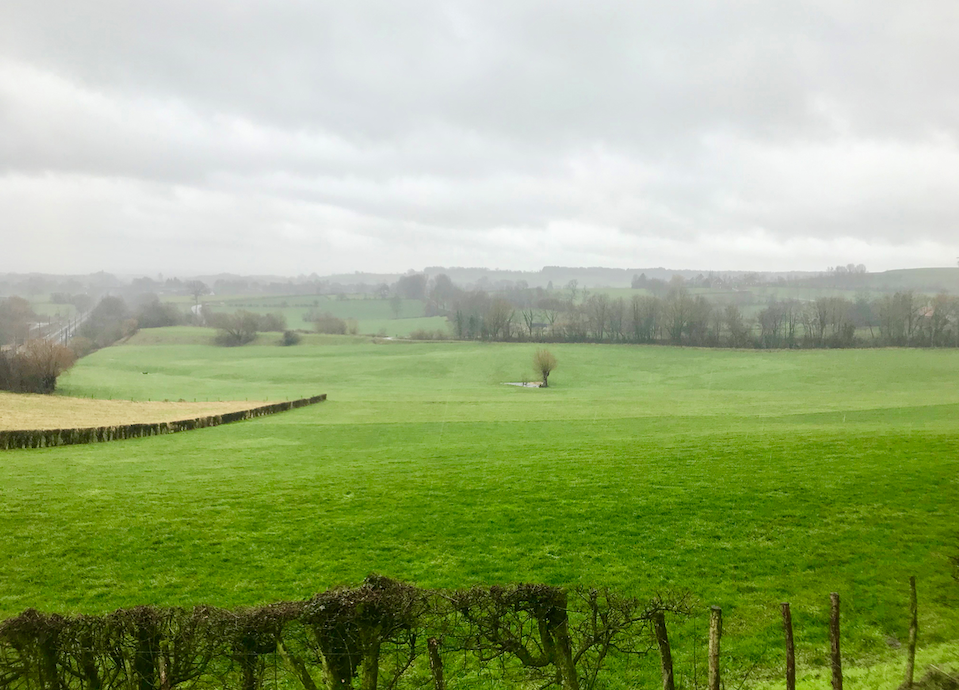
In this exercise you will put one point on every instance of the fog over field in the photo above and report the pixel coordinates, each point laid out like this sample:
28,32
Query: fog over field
290,137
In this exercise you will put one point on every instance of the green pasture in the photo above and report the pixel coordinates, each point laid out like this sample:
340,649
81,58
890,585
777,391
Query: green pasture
353,308
746,477
373,316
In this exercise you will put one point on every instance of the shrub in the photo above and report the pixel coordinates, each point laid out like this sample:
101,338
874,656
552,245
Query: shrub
423,334
156,314
234,329
34,368
290,338
369,636
108,322
81,346
271,322
327,323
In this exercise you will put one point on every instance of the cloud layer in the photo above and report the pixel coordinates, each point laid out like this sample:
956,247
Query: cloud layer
294,136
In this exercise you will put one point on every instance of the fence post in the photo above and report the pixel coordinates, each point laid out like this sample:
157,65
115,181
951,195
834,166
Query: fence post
665,655
715,633
790,648
834,639
436,664
913,632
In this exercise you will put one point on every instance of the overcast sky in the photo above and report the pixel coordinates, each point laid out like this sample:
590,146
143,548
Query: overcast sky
298,136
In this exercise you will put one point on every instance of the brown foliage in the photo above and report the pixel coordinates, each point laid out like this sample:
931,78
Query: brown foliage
34,368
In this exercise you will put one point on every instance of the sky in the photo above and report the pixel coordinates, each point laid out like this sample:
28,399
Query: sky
299,136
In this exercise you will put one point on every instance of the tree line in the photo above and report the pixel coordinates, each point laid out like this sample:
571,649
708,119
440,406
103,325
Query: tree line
382,634
681,317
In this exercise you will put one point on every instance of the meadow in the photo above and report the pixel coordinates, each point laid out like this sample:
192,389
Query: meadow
372,316
745,477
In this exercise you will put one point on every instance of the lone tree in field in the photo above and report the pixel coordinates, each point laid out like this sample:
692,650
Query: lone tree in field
544,362
197,288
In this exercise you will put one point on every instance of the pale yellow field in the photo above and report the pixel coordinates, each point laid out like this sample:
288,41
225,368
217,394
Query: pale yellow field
19,411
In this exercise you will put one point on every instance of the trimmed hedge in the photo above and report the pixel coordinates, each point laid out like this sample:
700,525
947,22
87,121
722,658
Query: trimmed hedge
45,438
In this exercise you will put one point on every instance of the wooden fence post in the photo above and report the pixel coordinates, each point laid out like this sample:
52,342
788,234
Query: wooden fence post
715,633
436,664
790,648
665,655
913,632
834,639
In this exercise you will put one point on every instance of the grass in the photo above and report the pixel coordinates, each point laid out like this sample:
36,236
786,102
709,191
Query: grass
747,477
372,316
27,411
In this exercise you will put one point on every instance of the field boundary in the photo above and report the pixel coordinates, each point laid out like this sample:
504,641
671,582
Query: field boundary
47,438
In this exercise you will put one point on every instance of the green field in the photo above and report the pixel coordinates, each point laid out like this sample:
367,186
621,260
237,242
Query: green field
372,316
748,478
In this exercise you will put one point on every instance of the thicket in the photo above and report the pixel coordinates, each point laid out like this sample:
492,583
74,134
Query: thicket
109,321
325,322
426,334
242,326
382,634
34,367
152,313
290,338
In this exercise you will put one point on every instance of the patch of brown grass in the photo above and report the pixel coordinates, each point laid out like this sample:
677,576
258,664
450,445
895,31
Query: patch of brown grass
26,411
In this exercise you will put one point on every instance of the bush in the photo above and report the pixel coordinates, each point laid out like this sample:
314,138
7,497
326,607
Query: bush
290,338
109,321
327,323
370,636
156,314
34,368
234,329
423,334
271,322
81,346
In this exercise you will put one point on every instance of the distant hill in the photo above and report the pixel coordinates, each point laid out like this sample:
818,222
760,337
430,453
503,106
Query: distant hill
592,276
920,279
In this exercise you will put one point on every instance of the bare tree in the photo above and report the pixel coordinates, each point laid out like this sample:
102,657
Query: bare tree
367,633
197,289
597,310
544,362
736,325
396,305
234,329
556,638
34,368
529,318
499,319
677,309
15,317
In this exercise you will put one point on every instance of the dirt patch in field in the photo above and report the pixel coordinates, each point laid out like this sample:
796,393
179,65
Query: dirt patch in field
525,384
19,411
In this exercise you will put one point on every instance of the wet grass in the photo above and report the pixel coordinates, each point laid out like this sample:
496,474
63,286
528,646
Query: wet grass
748,478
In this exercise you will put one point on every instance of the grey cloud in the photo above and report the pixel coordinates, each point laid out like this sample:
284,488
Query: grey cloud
453,126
